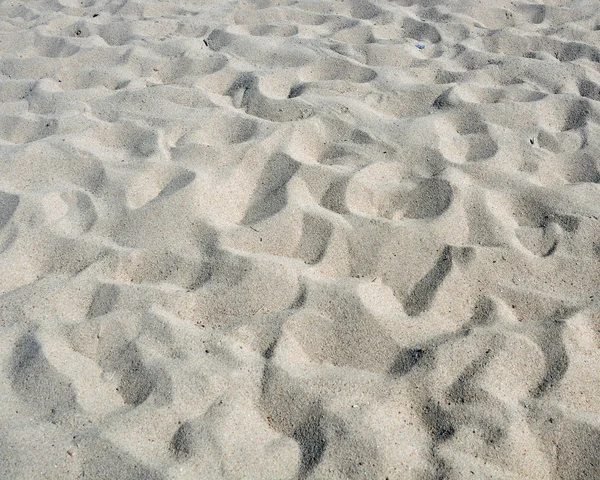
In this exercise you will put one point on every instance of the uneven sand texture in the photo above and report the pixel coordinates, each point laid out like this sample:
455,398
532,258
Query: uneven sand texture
299,239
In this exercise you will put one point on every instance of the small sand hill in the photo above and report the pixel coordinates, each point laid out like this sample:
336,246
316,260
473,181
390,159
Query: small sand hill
300,239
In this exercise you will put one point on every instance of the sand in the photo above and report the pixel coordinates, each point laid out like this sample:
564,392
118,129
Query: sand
302,239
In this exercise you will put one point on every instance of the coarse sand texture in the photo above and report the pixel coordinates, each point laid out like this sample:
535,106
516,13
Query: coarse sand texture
300,239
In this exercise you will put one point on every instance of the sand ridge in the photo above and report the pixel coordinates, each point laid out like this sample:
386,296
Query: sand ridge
299,239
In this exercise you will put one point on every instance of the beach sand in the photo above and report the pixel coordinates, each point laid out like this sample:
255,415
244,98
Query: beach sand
310,239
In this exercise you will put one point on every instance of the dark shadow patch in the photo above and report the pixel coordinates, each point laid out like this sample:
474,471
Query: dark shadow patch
9,239
493,435
247,82
204,272
550,340
8,205
406,360
421,31
179,182
270,196
570,51
430,199
230,269
300,299
551,250
270,351
334,198
583,168
420,298
463,255
360,137
137,382
365,10
596,250
316,233
443,100
589,89
463,389
577,451
484,313
576,117
38,382
105,298
297,90
218,39
182,443
439,422
568,222
239,130
312,441
268,370
536,214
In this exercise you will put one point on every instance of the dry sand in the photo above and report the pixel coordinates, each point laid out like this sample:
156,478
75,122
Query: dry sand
299,239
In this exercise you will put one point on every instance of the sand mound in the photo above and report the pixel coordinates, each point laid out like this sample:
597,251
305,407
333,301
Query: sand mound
300,239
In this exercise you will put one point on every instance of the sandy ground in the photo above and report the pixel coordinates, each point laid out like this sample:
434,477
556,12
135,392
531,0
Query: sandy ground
299,239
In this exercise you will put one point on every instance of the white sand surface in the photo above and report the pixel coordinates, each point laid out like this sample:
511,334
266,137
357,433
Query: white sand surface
300,239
